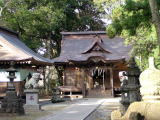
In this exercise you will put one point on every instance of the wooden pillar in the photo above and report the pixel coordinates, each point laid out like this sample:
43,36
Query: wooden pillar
44,77
103,80
78,73
84,82
111,81
63,78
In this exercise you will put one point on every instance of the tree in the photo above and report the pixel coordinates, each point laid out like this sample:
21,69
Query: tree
3,5
39,23
133,21
36,20
82,15
155,18
106,7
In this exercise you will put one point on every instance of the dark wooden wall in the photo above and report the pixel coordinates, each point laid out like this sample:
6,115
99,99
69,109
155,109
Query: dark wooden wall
74,77
116,80
77,76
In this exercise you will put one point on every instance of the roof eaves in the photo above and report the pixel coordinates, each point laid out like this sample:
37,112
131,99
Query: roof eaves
83,33
8,30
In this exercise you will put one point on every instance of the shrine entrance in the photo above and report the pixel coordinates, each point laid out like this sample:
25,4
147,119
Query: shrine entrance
98,77
100,85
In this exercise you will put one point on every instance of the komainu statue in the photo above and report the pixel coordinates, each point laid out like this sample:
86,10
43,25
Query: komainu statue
32,83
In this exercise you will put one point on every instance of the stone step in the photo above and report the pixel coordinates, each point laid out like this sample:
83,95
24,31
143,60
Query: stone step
99,93
72,97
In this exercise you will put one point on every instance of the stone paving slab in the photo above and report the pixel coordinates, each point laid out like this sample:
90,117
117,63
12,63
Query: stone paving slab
77,111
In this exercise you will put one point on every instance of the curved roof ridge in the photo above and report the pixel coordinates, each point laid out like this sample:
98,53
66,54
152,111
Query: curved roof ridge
96,43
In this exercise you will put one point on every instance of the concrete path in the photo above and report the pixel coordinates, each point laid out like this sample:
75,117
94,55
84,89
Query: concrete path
78,111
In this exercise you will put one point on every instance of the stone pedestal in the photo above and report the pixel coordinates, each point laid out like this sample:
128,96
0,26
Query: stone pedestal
32,104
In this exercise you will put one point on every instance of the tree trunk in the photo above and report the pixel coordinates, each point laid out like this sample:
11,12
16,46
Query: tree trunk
155,18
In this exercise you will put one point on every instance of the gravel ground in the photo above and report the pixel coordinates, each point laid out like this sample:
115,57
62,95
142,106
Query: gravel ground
47,109
103,112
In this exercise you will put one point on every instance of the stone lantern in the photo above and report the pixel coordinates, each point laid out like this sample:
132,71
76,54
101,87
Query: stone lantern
12,104
130,87
150,82
11,77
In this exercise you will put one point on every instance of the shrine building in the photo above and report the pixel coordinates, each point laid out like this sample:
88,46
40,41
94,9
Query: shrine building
26,61
90,62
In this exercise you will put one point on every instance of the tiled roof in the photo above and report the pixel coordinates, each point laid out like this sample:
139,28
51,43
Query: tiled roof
83,33
79,48
12,49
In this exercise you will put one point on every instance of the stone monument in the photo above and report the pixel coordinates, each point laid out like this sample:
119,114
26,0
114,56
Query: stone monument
32,104
12,104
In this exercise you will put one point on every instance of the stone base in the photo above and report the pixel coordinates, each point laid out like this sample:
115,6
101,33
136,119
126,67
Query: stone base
12,104
32,104
32,108
145,110
72,97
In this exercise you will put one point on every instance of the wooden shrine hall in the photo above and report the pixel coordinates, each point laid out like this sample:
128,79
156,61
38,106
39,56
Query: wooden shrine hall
26,61
90,62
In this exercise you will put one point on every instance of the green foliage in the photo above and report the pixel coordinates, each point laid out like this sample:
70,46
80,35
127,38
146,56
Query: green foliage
132,21
111,31
1,3
35,20
107,7
82,15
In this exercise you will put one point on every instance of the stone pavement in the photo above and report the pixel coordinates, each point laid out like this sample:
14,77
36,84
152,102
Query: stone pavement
78,111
